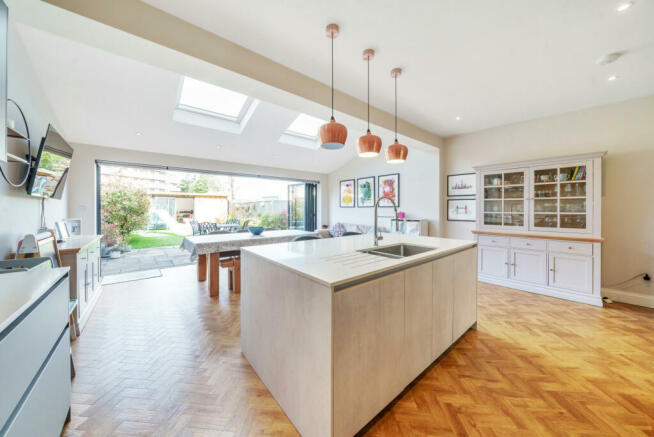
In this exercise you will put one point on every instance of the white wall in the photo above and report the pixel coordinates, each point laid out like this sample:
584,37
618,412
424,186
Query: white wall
82,181
20,213
626,131
419,188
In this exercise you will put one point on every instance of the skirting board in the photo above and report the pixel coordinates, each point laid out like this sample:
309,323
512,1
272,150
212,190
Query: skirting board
629,297
587,299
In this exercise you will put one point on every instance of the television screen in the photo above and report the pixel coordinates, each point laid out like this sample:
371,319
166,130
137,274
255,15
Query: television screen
50,169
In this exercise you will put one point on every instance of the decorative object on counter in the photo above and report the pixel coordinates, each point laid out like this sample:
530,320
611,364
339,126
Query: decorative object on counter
61,231
463,184
389,186
366,192
74,226
396,153
346,199
369,144
332,135
401,215
13,133
43,244
461,210
255,230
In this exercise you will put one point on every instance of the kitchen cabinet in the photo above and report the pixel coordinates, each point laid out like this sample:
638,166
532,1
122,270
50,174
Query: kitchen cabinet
82,255
571,272
493,261
557,251
528,266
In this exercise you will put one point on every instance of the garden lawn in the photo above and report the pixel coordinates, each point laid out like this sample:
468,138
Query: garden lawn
148,239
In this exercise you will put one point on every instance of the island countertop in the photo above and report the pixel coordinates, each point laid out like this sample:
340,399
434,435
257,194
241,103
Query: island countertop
336,262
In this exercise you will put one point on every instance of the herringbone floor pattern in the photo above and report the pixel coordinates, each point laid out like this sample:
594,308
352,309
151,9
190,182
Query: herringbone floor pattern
158,357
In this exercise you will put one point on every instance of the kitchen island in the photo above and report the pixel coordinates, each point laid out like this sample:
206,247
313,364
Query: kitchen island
337,331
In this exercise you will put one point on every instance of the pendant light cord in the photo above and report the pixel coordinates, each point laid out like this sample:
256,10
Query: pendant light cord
332,75
395,108
368,65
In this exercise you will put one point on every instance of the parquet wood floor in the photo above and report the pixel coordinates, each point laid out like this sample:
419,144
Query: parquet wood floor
158,357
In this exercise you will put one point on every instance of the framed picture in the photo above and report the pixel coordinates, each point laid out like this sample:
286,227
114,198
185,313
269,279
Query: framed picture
347,194
74,226
389,186
461,210
461,184
366,191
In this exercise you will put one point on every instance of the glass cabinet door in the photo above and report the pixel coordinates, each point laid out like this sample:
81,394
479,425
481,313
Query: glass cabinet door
504,199
560,198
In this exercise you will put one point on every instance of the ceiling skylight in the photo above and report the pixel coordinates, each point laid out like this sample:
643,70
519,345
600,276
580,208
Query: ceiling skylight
305,126
208,98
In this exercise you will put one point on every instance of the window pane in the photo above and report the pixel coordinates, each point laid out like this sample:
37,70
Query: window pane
545,221
573,221
212,98
305,125
492,219
514,219
573,189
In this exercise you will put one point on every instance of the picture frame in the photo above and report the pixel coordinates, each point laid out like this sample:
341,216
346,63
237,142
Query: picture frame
74,226
389,185
366,191
462,184
461,210
347,193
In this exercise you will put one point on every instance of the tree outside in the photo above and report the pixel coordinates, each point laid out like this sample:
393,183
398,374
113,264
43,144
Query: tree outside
124,210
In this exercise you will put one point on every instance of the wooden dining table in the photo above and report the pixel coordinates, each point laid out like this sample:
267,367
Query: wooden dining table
207,249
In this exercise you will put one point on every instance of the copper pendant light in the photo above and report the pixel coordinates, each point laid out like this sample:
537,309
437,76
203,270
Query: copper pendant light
332,135
396,153
369,144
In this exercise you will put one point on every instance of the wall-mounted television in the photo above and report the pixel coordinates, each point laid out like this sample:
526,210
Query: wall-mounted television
50,168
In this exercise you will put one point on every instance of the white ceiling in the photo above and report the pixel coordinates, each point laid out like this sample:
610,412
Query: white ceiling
104,99
490,62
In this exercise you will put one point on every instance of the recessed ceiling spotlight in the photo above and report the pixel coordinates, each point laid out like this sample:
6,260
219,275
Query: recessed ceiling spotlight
624,6
612,78
458,117
138,134
218,146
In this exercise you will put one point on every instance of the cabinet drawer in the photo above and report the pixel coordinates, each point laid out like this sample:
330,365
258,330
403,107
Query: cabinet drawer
44,410
571,247
493,240
528,243
24,349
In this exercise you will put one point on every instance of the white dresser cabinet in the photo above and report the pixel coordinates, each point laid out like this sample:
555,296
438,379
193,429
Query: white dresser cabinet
34,352
539,226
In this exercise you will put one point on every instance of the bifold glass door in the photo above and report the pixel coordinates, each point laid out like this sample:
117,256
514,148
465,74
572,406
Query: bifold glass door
504,199
560,198
302,201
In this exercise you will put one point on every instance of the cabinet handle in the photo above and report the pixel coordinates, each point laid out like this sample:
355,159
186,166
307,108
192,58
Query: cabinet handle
528,244
570,248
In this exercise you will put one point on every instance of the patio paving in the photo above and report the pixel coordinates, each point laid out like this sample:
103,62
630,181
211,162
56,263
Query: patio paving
146,259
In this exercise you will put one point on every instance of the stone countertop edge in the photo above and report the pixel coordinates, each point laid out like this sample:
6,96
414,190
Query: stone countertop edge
401,263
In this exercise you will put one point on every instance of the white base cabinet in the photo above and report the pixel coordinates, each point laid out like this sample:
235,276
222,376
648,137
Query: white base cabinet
571,272
558,268
528,266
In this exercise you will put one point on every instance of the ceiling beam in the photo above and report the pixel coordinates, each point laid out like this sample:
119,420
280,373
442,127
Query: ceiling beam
157,26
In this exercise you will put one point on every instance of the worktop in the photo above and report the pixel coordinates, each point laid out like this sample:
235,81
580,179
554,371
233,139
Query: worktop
337,262
20,290
336,334
76,243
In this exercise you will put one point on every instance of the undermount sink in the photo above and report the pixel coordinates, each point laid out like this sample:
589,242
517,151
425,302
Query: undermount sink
398,250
